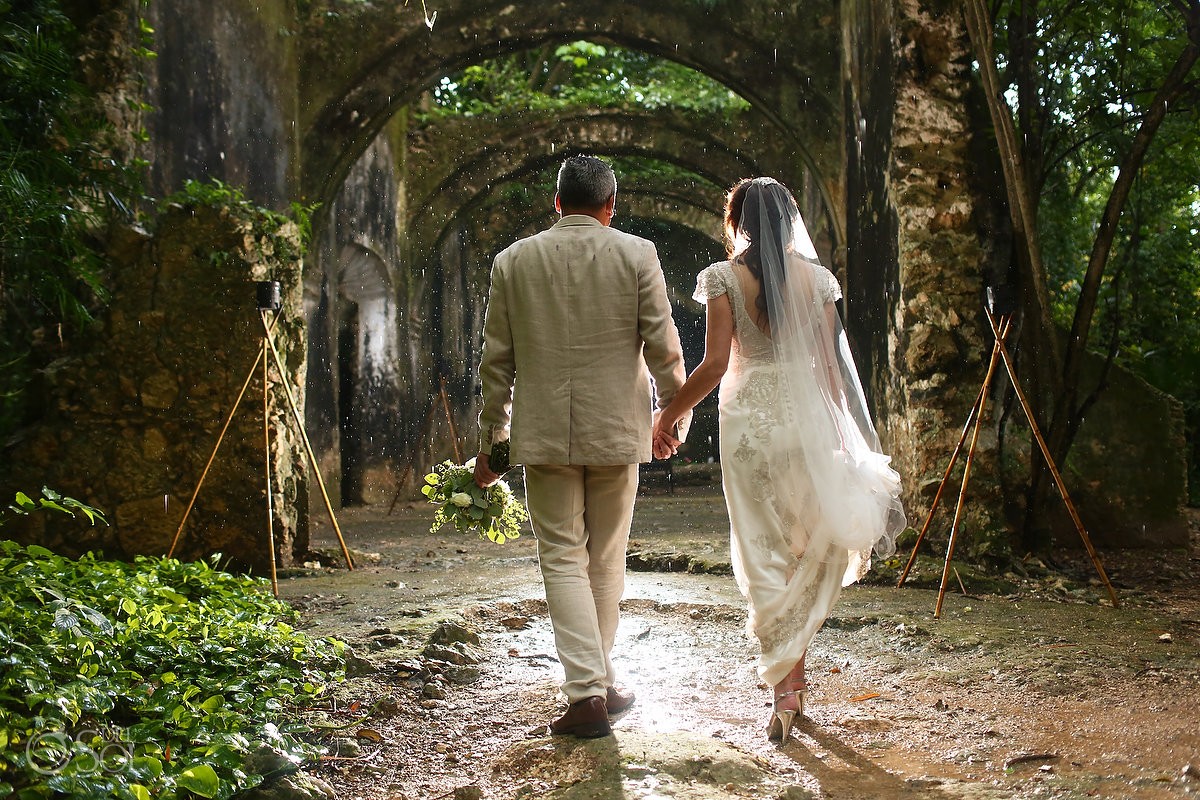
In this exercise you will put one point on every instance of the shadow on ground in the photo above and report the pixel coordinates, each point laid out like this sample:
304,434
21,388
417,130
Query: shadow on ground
1043,692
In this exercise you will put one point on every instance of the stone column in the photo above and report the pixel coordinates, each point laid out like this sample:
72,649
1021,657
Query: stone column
917,254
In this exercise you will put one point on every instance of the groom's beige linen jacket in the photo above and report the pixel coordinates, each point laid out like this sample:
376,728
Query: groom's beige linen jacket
578,321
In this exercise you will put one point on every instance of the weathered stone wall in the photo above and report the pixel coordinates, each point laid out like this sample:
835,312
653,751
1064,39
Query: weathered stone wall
132,415
224,93
1127,472
360,391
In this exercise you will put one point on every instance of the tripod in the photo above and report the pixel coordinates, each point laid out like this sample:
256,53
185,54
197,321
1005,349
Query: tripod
268,304
1000,330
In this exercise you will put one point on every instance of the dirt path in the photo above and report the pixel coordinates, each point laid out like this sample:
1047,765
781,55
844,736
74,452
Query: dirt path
1044,692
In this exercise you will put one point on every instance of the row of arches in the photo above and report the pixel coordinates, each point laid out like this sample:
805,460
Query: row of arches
469,185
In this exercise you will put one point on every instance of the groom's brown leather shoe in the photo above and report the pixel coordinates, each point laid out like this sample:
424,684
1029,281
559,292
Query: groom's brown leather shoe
619,700
587,719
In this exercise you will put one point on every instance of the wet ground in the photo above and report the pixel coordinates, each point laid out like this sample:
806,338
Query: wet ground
1042,690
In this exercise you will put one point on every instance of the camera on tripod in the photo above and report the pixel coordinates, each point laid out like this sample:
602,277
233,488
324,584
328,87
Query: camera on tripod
267,293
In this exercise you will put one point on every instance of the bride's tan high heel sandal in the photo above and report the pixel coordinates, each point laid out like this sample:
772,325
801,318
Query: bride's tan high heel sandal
780,724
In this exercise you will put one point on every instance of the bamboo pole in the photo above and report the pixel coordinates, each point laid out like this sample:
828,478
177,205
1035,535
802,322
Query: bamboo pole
267,456
312,458
1058,480
962,492
412,458
216,447
450,419
937,499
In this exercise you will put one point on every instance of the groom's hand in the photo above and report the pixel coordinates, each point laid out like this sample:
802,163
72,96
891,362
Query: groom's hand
484,477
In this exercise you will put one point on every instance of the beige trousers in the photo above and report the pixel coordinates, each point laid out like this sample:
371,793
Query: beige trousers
581,517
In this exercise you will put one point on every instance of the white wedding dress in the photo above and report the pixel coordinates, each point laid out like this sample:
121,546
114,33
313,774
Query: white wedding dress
799,530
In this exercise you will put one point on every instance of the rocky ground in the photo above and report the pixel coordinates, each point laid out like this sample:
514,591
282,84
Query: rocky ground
1038,689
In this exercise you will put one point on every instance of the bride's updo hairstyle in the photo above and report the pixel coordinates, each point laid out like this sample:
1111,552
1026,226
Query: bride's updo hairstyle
744,218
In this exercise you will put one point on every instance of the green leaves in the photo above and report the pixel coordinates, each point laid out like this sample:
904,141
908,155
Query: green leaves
201,780
152,679
61,179
53,501
582,74
494,513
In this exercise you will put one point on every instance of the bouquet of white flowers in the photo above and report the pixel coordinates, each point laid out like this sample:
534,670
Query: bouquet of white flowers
494,513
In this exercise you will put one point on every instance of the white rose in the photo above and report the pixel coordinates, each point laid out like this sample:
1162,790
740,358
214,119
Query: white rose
461,499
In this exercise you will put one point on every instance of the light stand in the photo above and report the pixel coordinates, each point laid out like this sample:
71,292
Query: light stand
999,305
269,306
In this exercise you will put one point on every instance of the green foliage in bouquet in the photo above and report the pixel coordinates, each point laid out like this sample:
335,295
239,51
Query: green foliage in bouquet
494,513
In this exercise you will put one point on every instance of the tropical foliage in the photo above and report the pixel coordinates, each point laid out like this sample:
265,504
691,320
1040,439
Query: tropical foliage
1105,110
580,74
152,679
58,185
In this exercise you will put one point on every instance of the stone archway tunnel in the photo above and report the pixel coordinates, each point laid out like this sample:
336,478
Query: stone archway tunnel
864,107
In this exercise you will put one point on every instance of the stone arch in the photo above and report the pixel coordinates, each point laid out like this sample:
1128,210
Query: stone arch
455,191
652,205
790,72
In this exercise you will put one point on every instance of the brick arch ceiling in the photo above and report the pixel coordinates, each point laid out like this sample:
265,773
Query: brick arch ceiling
451,213
452,149
361,63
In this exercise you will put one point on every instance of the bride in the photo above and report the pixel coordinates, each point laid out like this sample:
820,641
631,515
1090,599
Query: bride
808,489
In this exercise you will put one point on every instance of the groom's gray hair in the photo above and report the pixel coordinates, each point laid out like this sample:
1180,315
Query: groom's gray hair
585,182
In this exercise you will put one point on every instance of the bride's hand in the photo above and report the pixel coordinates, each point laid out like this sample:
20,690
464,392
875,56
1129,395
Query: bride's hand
665,444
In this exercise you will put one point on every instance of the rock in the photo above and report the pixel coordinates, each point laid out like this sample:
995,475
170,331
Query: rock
470,792
451,633
266,760
357,666
462,675
458,653
347,748
293,787
385,641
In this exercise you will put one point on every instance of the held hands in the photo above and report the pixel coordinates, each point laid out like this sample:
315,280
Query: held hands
664,443
484,477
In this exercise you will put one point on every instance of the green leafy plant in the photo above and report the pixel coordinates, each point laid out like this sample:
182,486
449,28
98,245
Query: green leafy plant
494,513
53,501
269,226
580,74
152,679
61,180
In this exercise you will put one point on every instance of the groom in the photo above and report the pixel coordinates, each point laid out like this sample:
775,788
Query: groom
577,323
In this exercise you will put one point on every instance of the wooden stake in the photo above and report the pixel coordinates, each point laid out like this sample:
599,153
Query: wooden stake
267,455
412,458
450,419
216,447
937,499
962,492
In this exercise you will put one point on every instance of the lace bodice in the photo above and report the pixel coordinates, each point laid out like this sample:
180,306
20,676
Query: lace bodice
750,344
